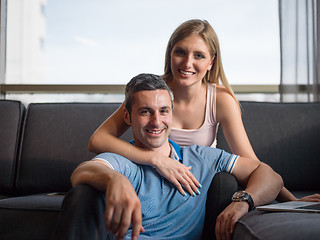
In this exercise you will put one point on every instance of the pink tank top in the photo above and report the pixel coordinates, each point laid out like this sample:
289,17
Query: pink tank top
206,134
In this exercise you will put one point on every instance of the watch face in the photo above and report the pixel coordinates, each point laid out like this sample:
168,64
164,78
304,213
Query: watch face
241,195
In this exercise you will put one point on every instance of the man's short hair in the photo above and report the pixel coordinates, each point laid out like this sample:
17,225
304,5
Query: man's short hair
141,82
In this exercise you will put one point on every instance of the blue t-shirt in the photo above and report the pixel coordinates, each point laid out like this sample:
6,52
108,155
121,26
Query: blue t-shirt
166,214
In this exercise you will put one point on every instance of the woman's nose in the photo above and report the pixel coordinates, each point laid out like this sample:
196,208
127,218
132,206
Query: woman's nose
188,61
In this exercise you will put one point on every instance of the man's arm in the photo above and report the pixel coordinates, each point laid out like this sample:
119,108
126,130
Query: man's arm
122,203
262,183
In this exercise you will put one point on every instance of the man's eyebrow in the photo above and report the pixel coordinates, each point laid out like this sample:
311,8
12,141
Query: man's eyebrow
165,107
145,108
149,108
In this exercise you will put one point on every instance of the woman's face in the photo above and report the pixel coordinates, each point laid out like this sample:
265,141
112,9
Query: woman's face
190,60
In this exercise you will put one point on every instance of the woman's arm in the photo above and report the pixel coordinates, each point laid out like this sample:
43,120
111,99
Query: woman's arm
109,132
106,139
229,117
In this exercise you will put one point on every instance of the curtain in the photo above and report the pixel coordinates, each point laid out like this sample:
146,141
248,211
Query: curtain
300,50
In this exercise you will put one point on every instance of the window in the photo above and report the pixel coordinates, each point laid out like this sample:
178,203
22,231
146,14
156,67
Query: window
108,42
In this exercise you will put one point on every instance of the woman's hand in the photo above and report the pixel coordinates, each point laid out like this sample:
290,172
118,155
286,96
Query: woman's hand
310,198
177,173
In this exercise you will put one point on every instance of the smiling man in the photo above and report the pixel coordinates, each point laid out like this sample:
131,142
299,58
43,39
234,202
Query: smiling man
140,202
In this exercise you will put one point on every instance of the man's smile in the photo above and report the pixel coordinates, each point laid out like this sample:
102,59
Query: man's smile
154,131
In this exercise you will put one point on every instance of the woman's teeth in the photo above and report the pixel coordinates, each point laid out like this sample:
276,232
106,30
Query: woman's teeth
186,73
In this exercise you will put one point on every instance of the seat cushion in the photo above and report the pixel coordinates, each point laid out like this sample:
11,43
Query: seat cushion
277,226
29,217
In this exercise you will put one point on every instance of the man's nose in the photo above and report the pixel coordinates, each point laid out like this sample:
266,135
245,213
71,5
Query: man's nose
155,120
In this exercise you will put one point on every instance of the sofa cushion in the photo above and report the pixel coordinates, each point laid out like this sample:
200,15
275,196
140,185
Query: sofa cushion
29,217
55,141
277,226
286,136
11,119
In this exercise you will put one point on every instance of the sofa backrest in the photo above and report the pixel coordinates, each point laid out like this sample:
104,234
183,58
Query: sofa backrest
55,141
287,137
11,118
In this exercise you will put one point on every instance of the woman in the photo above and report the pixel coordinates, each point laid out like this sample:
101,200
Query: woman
194,71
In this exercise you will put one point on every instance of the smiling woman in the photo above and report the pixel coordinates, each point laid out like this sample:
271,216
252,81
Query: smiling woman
108,42
190,57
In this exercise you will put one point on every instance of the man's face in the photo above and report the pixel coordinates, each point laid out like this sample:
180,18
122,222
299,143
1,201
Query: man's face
151,118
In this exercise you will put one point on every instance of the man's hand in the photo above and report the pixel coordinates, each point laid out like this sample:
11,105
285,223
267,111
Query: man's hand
226,221
122,207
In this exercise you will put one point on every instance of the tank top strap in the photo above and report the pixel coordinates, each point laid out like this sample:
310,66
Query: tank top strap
211,104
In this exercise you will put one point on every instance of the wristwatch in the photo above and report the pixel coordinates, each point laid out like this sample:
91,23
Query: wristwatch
241,196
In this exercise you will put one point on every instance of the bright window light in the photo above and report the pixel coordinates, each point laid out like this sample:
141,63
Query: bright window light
109,42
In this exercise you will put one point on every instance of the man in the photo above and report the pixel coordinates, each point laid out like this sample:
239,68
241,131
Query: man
141,202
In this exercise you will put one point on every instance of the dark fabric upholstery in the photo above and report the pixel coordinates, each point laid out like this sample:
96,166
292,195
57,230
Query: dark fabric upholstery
11,118
278,226
34,202
55,142
223,186
286,136
29,217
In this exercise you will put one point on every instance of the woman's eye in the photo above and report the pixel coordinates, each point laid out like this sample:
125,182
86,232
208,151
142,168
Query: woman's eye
199,56
179,52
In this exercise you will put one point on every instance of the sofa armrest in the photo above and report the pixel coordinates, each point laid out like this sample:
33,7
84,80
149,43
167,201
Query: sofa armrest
222,187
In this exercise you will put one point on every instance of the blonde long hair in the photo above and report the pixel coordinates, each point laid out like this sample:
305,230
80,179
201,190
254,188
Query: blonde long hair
204,30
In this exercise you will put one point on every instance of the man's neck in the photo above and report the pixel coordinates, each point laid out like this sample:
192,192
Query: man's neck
165,149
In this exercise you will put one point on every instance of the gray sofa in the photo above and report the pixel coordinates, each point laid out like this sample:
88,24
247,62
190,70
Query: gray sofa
287,137
41,145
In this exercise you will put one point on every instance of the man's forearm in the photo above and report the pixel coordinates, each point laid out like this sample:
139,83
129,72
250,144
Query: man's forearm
122,203
93,173
264,185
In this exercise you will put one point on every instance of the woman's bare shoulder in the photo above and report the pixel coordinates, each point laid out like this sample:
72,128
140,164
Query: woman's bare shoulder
226,104
224,96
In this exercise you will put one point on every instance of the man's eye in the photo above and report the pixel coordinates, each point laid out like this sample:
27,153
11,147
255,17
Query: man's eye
145,112
164,111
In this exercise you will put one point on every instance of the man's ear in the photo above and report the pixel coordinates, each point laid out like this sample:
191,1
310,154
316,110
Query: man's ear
127,117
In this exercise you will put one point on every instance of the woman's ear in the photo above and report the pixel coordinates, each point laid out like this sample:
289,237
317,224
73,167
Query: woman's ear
126,117
211,63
